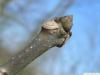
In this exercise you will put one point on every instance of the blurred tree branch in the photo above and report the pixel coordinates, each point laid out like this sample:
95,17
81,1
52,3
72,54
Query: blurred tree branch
3,3
58,10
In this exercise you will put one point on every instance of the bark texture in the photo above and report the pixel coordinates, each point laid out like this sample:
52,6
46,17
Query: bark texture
49,36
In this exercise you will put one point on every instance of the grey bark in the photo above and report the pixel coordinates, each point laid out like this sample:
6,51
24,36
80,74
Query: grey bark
46,39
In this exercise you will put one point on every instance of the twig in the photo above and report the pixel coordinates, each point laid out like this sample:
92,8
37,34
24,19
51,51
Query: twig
52,34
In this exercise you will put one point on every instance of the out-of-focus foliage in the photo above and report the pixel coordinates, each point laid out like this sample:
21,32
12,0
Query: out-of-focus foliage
21,19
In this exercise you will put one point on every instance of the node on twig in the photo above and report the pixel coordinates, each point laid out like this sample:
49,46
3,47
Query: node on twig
50,26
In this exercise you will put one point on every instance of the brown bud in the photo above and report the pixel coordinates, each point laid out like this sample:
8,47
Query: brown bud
66,22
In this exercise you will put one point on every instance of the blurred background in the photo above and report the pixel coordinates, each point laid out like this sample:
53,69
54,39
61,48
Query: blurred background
20,21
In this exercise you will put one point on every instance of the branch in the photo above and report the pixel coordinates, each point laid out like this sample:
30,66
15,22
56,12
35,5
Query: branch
53,33
60,8
3,4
